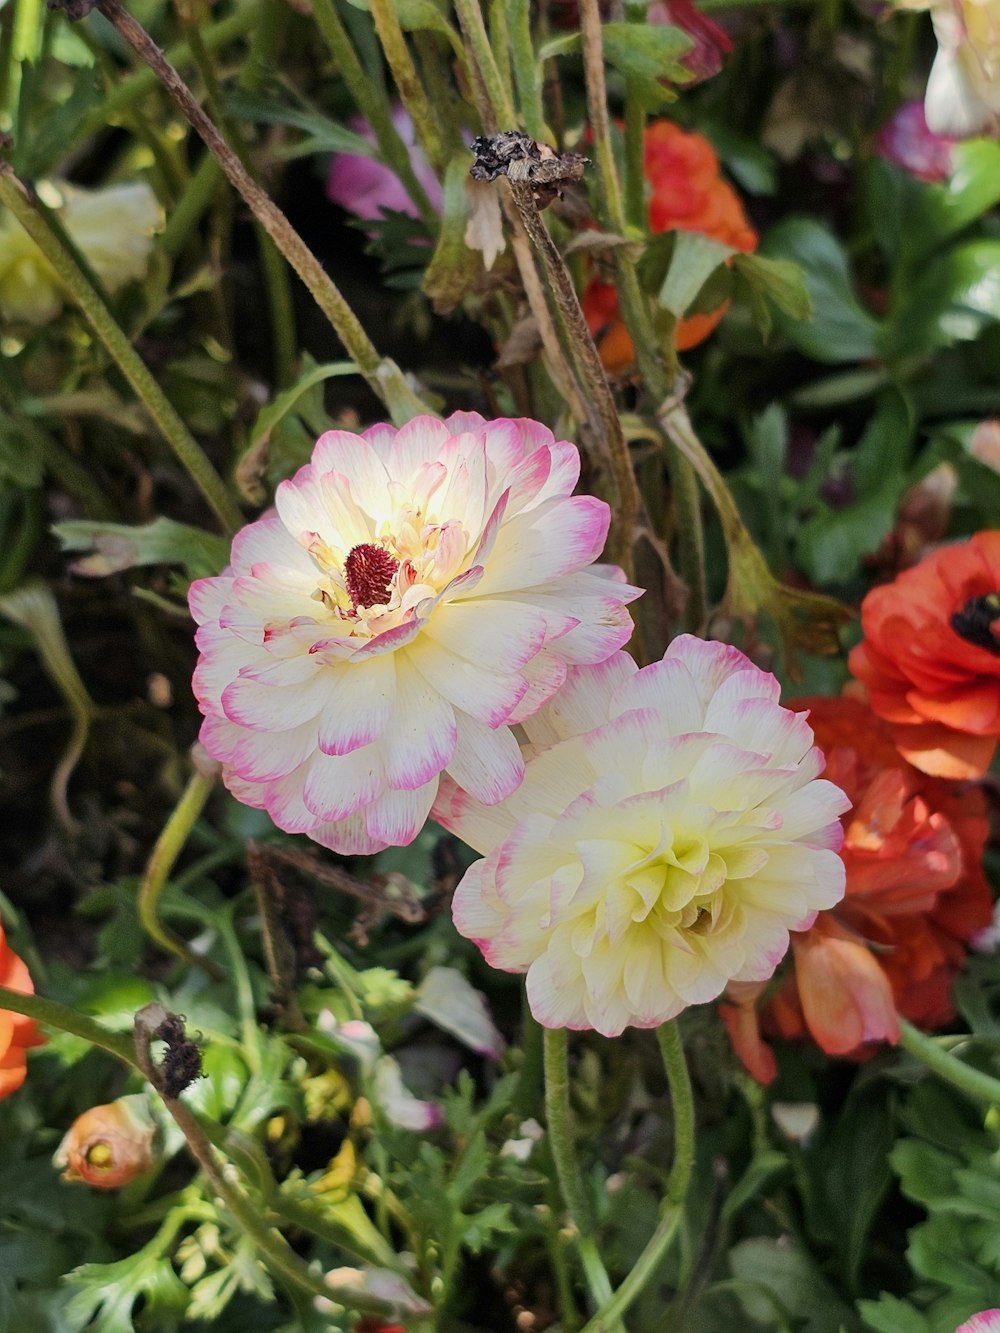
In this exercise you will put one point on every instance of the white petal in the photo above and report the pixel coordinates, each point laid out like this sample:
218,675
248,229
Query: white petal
486,763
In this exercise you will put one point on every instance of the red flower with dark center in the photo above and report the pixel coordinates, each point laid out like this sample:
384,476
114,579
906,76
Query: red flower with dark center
368,573
930,658
916,894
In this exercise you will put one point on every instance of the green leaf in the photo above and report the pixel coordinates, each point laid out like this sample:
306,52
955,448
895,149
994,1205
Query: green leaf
649,56
21,461
420,16
885,445
840,329
108,1293
831,544
776,1274
117,546
325,136
778,281
890,1315
944,210
695,258
952,300
269,416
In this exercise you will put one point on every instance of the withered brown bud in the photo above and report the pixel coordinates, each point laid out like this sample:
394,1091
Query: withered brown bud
518,157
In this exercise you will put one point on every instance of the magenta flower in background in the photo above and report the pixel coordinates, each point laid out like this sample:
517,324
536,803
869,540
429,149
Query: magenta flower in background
414,594
711,43
907,141
368,188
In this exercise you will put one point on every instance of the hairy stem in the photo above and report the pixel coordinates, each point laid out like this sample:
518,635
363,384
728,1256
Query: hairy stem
558,1118
973,1082
63,1019
672,1210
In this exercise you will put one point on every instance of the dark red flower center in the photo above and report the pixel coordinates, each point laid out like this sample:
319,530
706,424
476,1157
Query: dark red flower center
978,622
368,574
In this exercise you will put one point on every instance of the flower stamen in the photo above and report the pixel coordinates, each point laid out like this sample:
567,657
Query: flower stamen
368,573
978,622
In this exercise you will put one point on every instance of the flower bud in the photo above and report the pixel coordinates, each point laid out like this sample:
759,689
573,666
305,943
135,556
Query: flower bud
108,1145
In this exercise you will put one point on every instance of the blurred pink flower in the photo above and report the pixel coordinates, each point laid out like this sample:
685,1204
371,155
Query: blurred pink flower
413,595
987,1321
369,189
711,43
670,830
906,141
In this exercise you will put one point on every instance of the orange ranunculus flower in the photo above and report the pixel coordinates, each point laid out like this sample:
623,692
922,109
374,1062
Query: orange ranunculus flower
916,894
686,194
17,1033
930,658
108,1145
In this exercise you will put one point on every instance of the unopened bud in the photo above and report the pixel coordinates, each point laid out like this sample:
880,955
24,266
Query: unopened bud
108,1145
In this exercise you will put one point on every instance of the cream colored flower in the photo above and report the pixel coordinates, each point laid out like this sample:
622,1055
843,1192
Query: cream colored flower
671,829
963,91
112,228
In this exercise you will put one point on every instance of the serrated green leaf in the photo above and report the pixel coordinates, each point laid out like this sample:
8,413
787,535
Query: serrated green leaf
650,57
890,1315
779,281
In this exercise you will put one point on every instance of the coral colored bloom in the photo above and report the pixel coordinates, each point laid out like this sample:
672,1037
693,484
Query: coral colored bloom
906,140
113,230
109,1145
930,657
963,90
17,1033
916,895
368,189
670,830
686,194
710,42
987,1321
413,595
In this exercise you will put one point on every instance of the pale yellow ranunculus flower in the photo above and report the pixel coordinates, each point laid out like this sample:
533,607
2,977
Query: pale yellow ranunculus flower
963,90
113,229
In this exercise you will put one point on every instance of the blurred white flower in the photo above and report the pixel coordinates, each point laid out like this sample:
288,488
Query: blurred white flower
399,1104
112,228
450,1001
963,90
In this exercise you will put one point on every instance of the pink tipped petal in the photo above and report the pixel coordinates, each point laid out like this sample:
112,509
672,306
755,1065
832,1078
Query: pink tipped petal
487,695
486,763
489,634
271,708
397,817
420,739
418,442
552,541
338,785
360,705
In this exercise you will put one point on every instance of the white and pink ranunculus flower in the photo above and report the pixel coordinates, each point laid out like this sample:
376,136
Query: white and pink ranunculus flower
413,595
987,1321
671,829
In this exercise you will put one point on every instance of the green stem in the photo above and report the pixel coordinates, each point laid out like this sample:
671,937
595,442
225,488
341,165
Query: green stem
558,1119
383,376
656,379
672,1212
529,87
63,1019
411,91
156,403
374,106
164,855
635,159
193,203
982,1087
470,20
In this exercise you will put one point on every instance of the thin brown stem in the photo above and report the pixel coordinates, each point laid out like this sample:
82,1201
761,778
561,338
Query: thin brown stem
384,377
